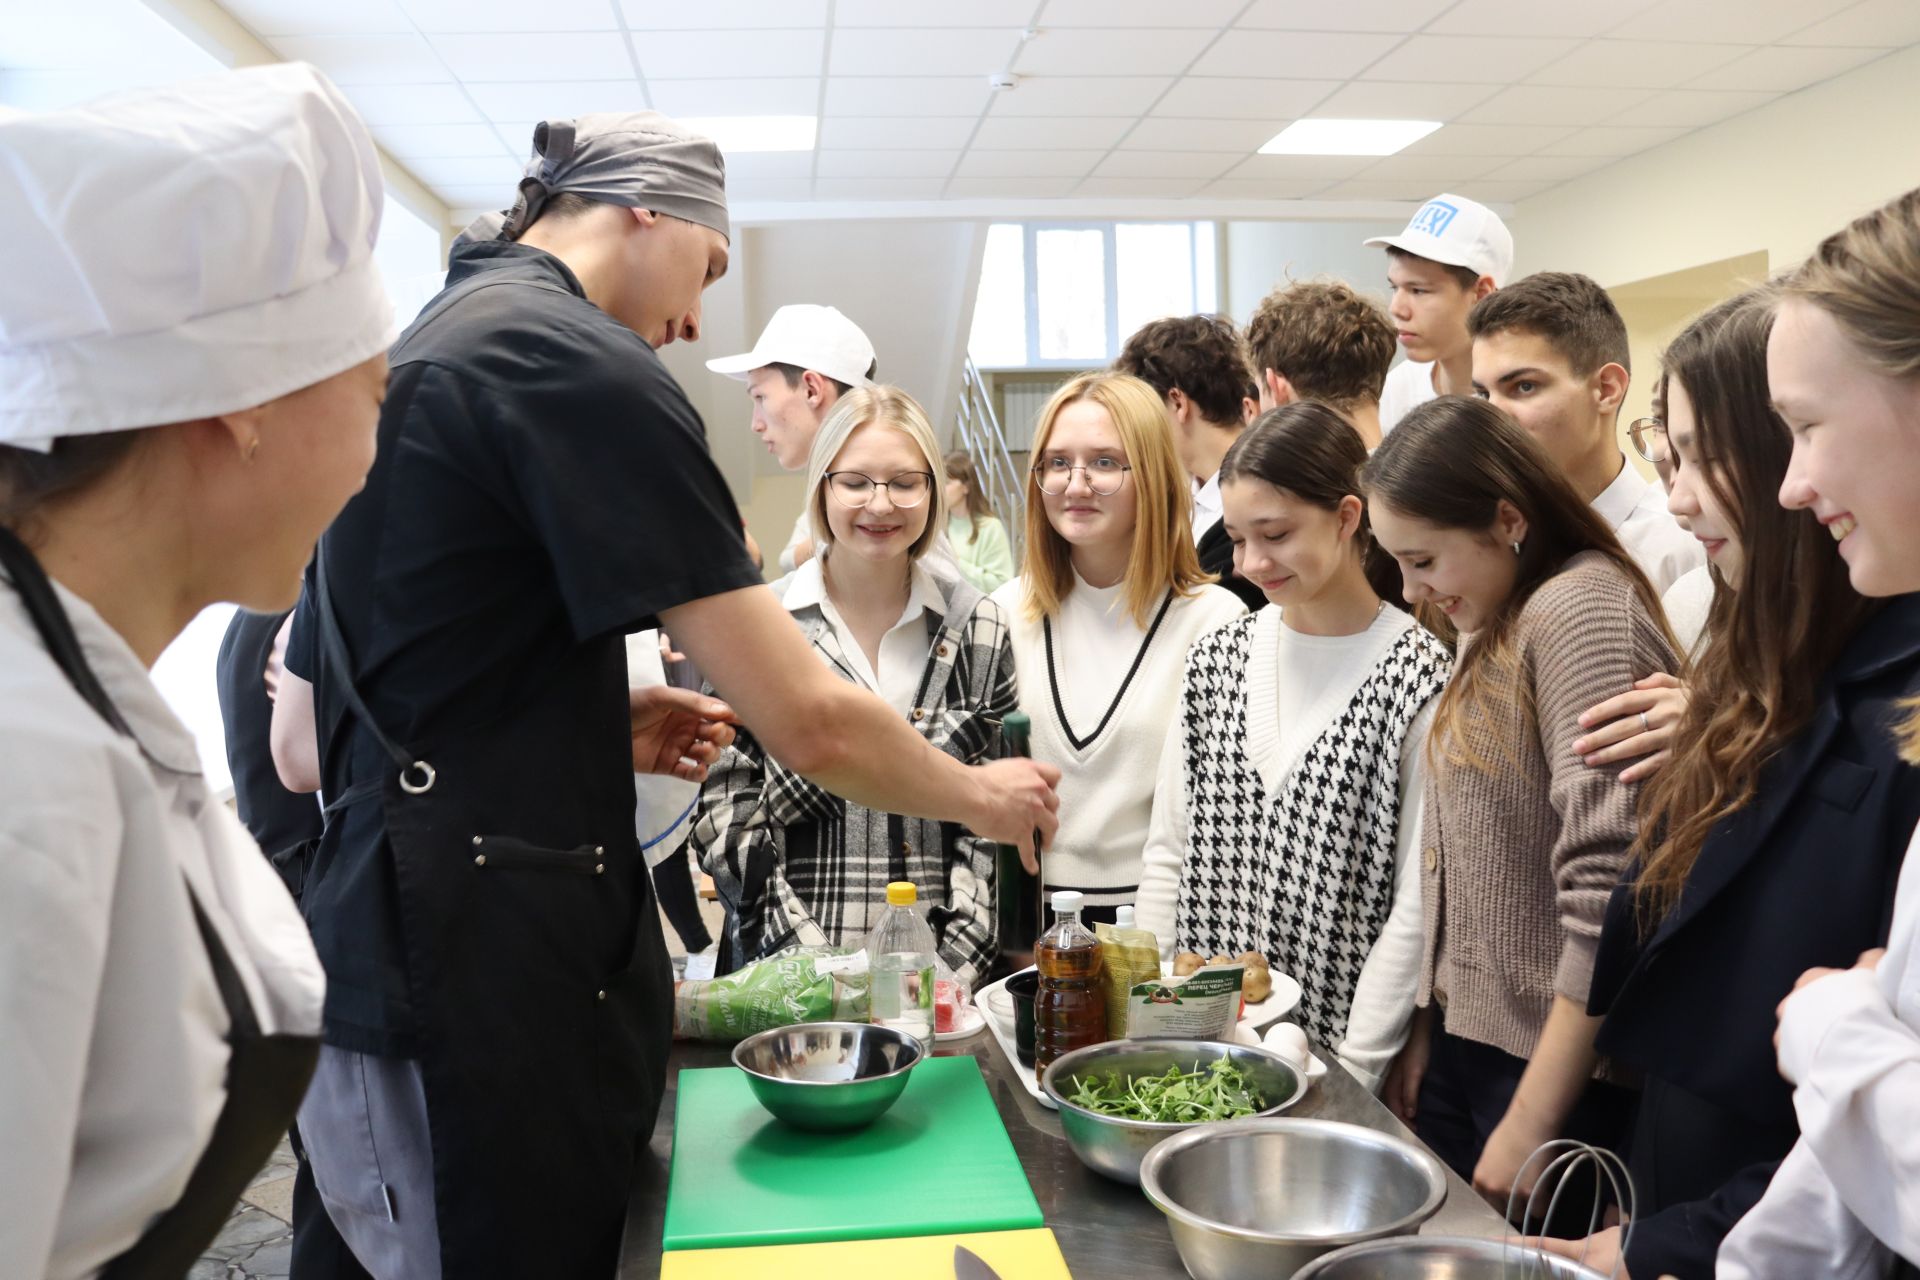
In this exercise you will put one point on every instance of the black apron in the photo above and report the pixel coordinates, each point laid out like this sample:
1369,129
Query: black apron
266,1074
536,967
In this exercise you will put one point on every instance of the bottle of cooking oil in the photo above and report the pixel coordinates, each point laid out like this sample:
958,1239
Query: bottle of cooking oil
1070,1011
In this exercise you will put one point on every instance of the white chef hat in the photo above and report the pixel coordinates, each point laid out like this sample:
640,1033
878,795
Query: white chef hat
185,251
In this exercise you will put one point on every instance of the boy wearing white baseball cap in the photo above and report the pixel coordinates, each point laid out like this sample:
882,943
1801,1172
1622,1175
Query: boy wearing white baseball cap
1453,253
807,357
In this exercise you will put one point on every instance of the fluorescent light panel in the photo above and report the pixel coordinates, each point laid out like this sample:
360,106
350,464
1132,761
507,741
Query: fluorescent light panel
737,134
1347,137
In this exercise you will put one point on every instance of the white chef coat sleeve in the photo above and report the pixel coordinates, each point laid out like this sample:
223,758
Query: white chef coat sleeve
1799,1229
54,908
1165,855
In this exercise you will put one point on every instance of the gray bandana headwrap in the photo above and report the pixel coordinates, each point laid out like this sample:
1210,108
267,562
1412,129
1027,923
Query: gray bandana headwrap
485,227
639,159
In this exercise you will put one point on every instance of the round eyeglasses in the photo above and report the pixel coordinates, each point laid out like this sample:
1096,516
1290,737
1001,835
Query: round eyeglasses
854,489
1650,439
1104,475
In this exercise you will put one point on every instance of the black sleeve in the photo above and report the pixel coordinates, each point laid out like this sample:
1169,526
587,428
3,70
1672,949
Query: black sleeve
302,656
613,473
1683,1240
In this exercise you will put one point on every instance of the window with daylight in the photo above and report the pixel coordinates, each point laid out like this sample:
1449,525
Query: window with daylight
1067,295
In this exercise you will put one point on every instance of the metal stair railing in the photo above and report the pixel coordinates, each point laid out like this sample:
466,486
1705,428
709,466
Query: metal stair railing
983,437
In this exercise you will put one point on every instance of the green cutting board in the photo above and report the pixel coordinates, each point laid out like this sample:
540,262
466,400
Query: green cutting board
938,1161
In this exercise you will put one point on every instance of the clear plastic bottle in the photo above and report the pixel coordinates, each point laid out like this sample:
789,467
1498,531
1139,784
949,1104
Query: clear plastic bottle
900,954
1070,1010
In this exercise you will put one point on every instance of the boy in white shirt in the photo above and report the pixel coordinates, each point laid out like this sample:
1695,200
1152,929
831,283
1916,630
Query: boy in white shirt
1454,252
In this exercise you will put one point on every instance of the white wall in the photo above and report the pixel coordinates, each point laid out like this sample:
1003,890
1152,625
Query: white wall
1260,256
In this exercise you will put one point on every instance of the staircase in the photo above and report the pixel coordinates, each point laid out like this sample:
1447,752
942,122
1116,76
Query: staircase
982,436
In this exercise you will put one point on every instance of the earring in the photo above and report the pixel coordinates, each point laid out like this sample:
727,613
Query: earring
1516,548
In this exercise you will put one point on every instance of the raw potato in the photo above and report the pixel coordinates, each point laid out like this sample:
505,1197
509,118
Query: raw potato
1185,963
1256,984
1223,960
1253,960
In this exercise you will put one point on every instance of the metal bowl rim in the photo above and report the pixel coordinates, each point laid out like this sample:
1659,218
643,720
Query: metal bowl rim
1166,1150
1364,1248
1171,1126
919,1053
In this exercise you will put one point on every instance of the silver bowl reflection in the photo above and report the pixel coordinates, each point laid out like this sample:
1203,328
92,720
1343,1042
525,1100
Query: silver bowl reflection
1115,1146
828,1075
1443,1258
1254,1199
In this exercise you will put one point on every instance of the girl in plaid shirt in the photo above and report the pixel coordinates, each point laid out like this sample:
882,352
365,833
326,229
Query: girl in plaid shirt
793,863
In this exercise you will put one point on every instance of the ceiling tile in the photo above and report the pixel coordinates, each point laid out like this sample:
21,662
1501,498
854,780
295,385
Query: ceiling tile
499,171
1096,52
907,95
1240,137
1609,141
1280,54
1348,15
893,13
1389,100
554,100
1439,173
1027,164
1016,133
886,164
1506,192
1532,18
1409,189
757,165
1226,98
1488,139
759,96
1010,188
350,60
1690,108
304,18
1138,188
536,55
1782,68
465,15
1300,168
1469,59
771,189
1263,188
1879,24
1138,13
956,52
721,55
1548,168
482,197
1167,164
1545,104
879,188
1746,21
411,104
1635,64
728,15
866,133
1080,96
404,141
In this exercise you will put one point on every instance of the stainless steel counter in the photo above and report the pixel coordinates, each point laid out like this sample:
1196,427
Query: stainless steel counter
1103,1228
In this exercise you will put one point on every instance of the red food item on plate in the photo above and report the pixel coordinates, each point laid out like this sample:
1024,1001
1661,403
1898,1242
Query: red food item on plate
946,1005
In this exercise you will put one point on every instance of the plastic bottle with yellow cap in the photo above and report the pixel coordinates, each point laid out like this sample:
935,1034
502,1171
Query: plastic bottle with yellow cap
900,956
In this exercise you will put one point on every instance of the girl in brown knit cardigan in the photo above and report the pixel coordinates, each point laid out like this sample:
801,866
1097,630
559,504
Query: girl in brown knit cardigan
1523,842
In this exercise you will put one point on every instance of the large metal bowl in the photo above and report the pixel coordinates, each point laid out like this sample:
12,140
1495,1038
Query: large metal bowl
1443,1258
1114,1146
1255,1199
828,1075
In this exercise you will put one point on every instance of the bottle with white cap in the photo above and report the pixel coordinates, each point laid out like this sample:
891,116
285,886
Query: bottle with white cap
1070,1009
900,957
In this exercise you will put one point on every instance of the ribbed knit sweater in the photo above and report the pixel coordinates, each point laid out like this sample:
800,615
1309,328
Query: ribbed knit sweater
1519,859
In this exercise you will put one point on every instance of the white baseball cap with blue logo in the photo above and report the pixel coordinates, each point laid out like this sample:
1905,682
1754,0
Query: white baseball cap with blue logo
1458,232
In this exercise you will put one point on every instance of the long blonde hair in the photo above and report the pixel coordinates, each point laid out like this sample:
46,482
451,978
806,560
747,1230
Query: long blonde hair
1867,277
858,408
1163,556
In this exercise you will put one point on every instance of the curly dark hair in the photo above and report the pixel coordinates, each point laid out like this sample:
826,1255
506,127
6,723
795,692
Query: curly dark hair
1199,355
1330,342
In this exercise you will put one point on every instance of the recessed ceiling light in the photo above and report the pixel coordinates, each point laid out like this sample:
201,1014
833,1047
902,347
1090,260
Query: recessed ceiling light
1347,137
756,133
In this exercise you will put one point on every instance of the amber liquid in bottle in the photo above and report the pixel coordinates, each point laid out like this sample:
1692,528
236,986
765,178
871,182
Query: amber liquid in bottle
1070,1010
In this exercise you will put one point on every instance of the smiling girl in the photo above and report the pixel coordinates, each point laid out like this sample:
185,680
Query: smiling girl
1288,808
1522,842
1110,599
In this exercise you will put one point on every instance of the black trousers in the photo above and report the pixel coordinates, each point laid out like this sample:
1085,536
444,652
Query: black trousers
1466,1091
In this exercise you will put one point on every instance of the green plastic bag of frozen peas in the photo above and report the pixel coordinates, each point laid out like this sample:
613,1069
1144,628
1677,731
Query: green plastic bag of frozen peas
800,984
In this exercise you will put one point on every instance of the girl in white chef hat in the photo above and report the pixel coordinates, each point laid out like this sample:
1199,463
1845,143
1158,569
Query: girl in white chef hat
191,368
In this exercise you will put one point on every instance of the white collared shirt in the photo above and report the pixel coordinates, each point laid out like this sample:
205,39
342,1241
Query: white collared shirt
1206,506
1639,516
113,1060
903,650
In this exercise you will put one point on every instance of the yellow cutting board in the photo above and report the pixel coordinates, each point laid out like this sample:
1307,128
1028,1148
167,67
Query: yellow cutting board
1016,1255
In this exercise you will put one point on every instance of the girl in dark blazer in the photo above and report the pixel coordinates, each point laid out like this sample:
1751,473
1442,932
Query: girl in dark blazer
1772,840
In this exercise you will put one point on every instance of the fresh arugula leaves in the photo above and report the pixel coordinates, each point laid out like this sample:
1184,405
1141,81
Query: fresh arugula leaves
1219,1091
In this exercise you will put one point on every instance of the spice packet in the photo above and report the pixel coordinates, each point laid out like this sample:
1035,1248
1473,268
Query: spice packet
1204,1005
1131,955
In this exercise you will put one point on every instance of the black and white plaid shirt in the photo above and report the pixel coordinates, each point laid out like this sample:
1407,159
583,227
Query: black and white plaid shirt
796,865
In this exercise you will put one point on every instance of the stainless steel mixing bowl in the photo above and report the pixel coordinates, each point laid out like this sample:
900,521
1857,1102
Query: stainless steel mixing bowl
828,1075
1443,1258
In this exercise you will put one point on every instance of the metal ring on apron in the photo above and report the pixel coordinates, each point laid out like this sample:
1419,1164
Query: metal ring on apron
417,788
